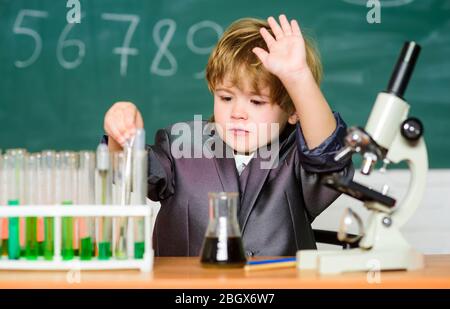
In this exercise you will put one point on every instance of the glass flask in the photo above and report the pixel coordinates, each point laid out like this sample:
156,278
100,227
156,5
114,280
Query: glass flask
222,246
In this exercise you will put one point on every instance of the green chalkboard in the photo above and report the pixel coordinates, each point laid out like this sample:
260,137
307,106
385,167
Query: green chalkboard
58,79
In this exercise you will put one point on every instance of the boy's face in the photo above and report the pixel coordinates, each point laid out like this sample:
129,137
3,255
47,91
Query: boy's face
246,120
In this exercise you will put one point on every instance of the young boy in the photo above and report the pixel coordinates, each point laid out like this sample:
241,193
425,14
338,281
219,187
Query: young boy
261,74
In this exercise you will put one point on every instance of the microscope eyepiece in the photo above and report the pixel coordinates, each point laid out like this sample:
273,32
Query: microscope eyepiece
403,69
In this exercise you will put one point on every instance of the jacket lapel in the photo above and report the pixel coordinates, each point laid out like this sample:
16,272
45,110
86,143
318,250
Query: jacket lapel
225,166
228,175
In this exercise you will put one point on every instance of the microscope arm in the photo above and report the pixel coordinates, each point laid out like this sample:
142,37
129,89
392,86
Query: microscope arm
417,160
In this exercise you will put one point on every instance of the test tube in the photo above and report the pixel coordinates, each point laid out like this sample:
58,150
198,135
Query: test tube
68,189
75,201
139,190
4,198
120,224
51,175
40,236
86,182
14,175
31,198
18,155
103,192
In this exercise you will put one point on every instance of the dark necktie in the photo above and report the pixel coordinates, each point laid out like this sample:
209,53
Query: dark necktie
243,180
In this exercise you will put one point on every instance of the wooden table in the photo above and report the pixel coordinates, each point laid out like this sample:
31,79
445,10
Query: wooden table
186,272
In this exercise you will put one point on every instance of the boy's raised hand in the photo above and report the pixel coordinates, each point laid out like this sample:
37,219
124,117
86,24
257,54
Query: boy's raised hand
121,122
286,55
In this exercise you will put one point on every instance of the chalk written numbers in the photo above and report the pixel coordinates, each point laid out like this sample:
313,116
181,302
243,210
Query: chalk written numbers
28,20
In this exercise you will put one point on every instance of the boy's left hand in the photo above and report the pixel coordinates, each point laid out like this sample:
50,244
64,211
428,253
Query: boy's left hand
287,55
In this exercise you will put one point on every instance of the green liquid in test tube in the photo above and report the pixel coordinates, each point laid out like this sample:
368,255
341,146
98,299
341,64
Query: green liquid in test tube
86,185
86,248
32,248
104,250
48,242
13,232
139,190
15,169
139,248
103,197
17,181
105,224
52,181
69,169
67,235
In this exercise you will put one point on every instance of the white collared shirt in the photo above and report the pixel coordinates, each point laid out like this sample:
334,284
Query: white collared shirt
242,161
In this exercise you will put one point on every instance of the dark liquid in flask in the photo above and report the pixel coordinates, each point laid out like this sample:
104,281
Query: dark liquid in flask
211,256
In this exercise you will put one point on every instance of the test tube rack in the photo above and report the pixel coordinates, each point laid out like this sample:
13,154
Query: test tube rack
58,212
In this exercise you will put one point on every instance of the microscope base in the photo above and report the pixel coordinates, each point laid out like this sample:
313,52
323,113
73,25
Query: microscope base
335,262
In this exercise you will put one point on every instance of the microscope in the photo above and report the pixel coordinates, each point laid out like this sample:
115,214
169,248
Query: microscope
390,136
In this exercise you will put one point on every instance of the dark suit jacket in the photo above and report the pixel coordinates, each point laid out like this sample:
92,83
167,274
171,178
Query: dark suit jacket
278,205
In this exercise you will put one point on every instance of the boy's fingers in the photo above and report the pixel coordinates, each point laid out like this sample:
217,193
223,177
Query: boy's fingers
115,134
285,25
130,121
139,120
121,127
268,38
295,28
121,121
261,53
275,28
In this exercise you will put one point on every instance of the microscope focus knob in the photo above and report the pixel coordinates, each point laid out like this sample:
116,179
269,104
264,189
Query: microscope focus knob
412,129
